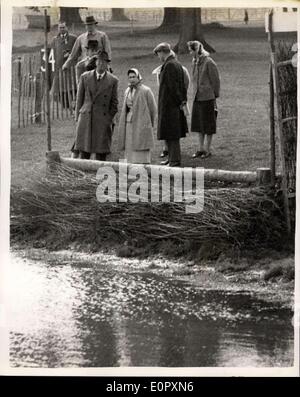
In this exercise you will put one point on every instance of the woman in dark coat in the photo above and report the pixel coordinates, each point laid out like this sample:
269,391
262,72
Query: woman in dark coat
206,88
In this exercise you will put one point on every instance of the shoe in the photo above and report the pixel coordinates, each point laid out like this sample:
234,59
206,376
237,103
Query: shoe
164,153
165,162
199,153
206,155
174,165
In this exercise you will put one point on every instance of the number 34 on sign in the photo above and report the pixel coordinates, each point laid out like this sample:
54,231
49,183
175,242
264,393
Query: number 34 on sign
51,59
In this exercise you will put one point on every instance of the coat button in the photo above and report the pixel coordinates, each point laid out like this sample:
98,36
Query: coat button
104,114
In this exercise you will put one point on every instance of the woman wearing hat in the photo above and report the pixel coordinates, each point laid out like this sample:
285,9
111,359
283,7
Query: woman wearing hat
81,43
206,88
137,120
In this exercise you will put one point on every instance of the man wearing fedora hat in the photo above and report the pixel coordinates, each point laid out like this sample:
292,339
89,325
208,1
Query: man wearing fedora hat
80,47
172,101
96,106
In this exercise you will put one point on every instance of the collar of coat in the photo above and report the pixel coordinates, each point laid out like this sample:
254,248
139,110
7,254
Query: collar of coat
96,89
199,59
170,57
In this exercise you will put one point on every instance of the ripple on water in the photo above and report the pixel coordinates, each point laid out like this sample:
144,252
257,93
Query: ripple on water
85,316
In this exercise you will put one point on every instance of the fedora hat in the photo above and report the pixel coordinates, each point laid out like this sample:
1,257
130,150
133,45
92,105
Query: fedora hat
90,20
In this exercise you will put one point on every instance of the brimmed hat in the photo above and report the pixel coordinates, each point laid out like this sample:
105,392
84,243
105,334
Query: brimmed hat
61,24
103,55
90,20
162,47
92,45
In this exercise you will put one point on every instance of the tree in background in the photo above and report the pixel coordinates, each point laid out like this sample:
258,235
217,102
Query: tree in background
191,28
118,14
70,15
171,20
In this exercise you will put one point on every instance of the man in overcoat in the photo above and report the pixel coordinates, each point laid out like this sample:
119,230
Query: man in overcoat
172,100
80,48
96,106
62,45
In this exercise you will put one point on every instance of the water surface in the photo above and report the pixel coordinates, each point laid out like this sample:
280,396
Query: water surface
91,316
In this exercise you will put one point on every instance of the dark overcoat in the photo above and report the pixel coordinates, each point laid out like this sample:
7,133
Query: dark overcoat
96,106
172,122
62,47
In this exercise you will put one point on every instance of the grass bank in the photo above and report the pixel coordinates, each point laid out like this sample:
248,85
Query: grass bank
241,143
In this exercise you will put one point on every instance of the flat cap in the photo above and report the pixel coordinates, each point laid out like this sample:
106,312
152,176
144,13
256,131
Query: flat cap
162,47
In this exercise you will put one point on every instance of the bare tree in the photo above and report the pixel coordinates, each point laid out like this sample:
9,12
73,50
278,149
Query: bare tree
118,14
171,19
70,15
191,28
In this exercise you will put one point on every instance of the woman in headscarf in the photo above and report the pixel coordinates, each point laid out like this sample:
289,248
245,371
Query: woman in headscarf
206,88
137,120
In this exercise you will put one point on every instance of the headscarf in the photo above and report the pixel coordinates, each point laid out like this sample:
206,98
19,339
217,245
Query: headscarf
138,75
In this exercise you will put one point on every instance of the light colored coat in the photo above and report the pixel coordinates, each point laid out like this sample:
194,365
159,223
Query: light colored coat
96,106
205,79
80,46
144,112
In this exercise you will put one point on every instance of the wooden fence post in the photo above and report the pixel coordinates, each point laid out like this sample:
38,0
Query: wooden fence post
38,99
272,128
19,76
263,176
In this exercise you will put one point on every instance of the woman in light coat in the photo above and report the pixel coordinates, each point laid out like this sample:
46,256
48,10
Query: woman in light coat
137,120
206,88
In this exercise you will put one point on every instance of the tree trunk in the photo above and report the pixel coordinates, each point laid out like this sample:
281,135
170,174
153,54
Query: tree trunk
70,15
171,19
118,14
190,29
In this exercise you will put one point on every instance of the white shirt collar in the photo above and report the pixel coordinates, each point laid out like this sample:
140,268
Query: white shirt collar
100,76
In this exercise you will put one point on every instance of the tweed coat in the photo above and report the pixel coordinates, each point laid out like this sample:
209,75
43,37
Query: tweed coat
172,124
96,106
205,78
144,114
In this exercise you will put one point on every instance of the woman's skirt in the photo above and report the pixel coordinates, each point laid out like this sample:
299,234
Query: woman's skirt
204,117
135,156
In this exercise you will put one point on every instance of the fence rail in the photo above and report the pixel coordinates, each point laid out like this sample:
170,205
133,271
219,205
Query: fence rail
29,88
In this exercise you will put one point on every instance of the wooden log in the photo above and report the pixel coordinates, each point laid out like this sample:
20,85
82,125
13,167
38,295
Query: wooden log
209,174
